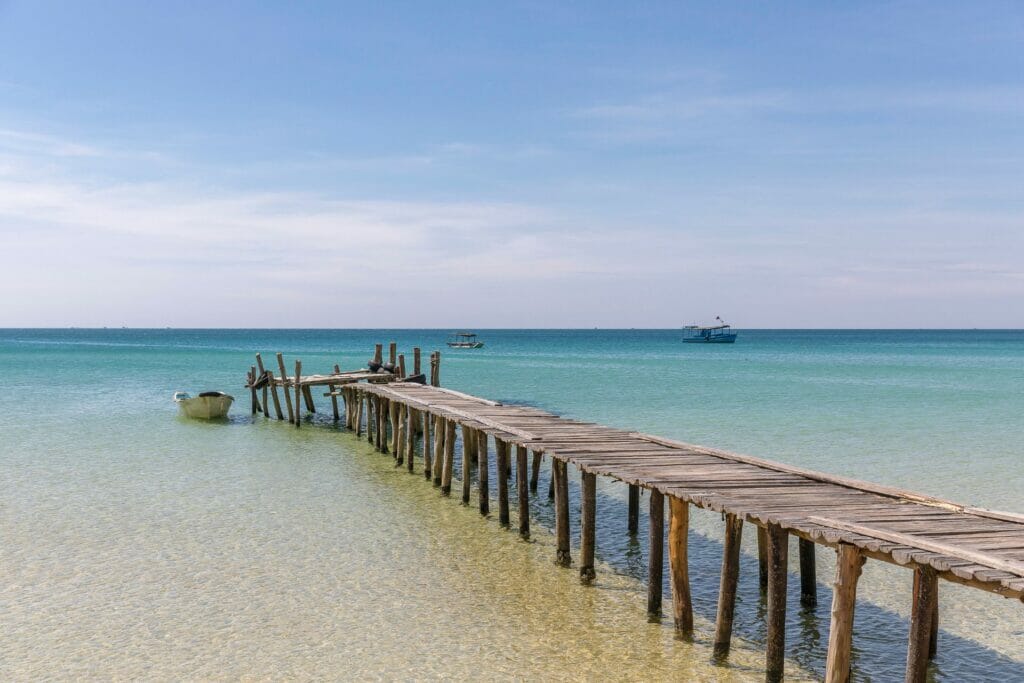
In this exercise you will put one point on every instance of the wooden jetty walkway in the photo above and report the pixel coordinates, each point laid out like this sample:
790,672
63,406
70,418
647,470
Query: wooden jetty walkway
935,538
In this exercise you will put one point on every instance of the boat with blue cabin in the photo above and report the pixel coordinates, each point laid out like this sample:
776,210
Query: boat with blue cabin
464,340
711,334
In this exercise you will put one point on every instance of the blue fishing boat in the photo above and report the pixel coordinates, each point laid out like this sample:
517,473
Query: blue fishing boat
712,334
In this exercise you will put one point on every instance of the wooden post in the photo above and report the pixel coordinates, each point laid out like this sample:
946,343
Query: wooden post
762,557
378,353
287,391
535,473
410,437
656,557
844,597
522,488
274,396
392,353
433,368
449,457
307,393
298,392
383,410
428,446
262,371
357,409
401,366
437,371
922,618
588,520
560,478
808,574
415,360
634,508
778,557
439,446
481,473
727,587
334,399
467,447
678,536
933,641
501,453
254,402
398,427
393,418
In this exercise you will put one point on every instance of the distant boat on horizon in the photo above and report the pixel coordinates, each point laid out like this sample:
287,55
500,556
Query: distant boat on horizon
709,334
464,340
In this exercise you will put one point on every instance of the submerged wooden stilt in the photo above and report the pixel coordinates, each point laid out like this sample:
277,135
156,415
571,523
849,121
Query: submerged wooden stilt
778,556
522,488
483,485
287,391
334,398
656,556
393,407
633,522
922,617
428,446
808,574
393,353
449,457
535,472
254,402
678,556
273,394
501,457
298,393
307,394
849,561
439,449
410,437
762,557
729,581
266,389
467,446
560,479
588,521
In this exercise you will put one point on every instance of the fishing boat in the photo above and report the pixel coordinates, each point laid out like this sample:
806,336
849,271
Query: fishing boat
208,405
464,340
712,334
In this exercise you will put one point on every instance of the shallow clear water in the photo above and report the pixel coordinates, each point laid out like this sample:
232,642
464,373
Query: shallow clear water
138,544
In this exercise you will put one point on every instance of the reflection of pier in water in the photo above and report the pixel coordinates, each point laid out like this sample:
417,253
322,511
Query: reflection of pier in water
412,419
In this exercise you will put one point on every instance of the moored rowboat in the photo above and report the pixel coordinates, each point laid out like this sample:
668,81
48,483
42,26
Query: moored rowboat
208,405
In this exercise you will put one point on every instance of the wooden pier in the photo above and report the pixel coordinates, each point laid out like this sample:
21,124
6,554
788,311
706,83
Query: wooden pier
934,538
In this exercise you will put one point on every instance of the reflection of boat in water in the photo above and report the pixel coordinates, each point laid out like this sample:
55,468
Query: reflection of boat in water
208,405
712,334
464,340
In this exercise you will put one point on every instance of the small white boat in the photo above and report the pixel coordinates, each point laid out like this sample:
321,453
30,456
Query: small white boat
208,405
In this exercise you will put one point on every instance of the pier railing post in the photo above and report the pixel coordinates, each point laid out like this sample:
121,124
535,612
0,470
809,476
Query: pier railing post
849,561
678,538
656,553
729,581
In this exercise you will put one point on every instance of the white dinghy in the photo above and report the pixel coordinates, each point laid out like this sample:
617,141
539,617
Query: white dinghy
208,405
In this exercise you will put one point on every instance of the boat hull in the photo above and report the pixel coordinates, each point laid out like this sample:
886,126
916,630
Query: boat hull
459,345
205,407
721,339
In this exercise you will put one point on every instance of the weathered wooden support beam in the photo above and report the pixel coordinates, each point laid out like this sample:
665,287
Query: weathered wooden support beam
439,449
778,562
393,420
633,521
274,395
679,565
808,574
393,353
501,456
762,557
656,554
522,488
560,480
410,437
849,561
483,485
382,409
535,472
401,366
588,525
449,457
933,641
298,393
307,393
428,446
729,581
378,353
416,360
262,371
254,402
922,620
334,399
467,447
437,370
287,391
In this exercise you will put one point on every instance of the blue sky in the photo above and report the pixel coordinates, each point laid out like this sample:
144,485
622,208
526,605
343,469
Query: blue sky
520,164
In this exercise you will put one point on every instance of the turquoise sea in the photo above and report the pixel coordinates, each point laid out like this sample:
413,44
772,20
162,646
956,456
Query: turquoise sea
136,544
